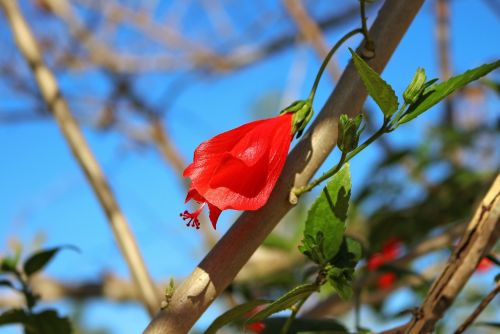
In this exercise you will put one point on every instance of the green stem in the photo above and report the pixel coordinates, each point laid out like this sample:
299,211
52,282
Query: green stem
327,60
364,28
398,115
343,159
368,44
25,290
296,309
299,191
375,136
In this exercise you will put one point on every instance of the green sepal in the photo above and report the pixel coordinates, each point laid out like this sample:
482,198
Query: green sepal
302,113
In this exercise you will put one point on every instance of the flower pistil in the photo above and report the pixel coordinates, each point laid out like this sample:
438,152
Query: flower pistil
192,217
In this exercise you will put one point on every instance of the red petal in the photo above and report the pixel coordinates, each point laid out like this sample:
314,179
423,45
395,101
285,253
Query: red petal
375,261
214,214
256,327
239,168
484,264
193,194
392,249
385,281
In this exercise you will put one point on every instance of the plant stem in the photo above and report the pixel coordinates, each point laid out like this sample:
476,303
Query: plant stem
299,191
343,159
383,129
327,60
364,29
296,309
398,115
368,44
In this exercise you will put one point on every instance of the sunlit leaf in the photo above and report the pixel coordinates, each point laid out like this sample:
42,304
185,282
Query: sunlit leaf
234,314
325,224
380,91
40,259
287,300
438,92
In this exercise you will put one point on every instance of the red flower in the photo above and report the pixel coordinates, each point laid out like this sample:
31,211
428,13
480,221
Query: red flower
238,168
484,265
256,327
375,261
386,280
390,251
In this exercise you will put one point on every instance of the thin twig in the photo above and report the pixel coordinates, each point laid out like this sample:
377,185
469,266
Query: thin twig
470,319
481,234
228,256
57,104
311,32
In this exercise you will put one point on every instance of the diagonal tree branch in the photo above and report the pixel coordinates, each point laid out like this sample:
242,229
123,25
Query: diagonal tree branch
481,234
221,265
56,103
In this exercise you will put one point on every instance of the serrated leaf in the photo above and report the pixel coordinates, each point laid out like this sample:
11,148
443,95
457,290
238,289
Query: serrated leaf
340,272
443,89
355,249
380,91
233,314
325,220
39,260
287,300
348,255
300,325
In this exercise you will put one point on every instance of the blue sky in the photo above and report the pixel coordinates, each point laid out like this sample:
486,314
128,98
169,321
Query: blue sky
43,192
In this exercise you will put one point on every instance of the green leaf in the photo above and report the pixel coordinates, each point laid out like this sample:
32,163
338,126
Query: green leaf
275,324
40,259
436,93
287,300
340,271
325,220
379,90
233,314
7,283
341,281
13,316
349,254
8,265
48,322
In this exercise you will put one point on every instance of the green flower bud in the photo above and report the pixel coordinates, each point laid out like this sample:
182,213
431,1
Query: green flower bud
8,264
348,133
302,114
416,87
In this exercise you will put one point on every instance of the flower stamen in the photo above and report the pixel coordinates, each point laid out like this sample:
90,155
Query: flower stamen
192,217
